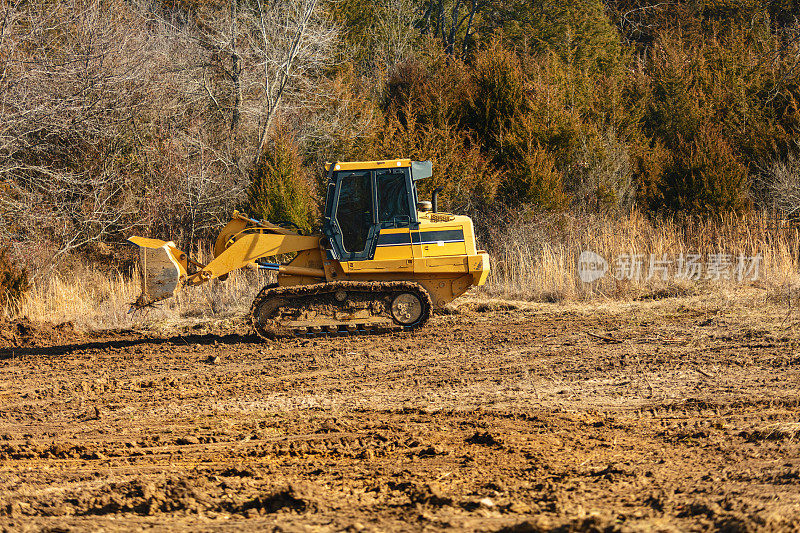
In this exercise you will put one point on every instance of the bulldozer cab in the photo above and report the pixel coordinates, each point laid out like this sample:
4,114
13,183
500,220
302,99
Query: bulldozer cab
363,198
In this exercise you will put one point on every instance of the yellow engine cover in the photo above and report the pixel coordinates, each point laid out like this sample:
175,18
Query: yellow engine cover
440,254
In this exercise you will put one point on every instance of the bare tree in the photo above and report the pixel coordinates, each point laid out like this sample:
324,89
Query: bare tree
395,32
119,113
272,54
449,20
781,184
295,43
104,126
69,76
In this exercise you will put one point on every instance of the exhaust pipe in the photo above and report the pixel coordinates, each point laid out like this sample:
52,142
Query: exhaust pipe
435,198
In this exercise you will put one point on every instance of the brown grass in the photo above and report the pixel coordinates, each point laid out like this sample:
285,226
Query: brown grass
96,299
537,258
532,259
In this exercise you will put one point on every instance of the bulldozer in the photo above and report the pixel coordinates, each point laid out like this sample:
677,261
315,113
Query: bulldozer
382,261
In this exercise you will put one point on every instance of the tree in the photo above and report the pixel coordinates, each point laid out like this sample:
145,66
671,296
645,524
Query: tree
579,32
451,20
295,42
280,189
71,77
499,97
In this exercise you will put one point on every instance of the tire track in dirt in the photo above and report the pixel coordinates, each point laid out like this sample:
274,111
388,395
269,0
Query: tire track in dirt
513,420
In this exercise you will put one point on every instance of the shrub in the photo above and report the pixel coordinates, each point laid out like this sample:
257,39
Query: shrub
705,176
535,180
600,176
280,188
13,282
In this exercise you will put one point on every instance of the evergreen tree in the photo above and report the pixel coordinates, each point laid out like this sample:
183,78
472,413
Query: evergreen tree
280,190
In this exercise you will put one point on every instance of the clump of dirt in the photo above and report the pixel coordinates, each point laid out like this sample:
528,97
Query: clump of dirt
286,499
780,431
484,438
428,493
25,333
490,306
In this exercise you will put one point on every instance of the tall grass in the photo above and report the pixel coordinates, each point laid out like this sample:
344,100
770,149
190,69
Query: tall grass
92,296
534,258
537,257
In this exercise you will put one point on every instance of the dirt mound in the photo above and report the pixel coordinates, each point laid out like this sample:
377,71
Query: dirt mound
175,495
24,333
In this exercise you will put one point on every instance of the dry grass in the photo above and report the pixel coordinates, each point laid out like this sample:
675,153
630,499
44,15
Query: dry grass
532,260
96,299
537,259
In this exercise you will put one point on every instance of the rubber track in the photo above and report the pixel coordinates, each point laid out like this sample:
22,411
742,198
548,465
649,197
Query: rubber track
379,288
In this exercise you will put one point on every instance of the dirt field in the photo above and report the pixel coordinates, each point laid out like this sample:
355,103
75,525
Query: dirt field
672,415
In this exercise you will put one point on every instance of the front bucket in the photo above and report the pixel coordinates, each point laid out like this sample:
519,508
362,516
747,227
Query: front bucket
161,272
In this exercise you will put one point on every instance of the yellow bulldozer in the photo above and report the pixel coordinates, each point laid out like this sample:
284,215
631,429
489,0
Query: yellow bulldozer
382,261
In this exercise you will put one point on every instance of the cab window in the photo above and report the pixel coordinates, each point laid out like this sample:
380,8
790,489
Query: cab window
354,212
393,203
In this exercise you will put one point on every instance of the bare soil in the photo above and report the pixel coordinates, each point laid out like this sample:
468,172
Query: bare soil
673,415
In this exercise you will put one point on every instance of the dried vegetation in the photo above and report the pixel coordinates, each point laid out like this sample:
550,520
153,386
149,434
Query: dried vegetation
534,258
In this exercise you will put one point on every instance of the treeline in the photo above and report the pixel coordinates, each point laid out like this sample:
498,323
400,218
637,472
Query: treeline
604,105
161,116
